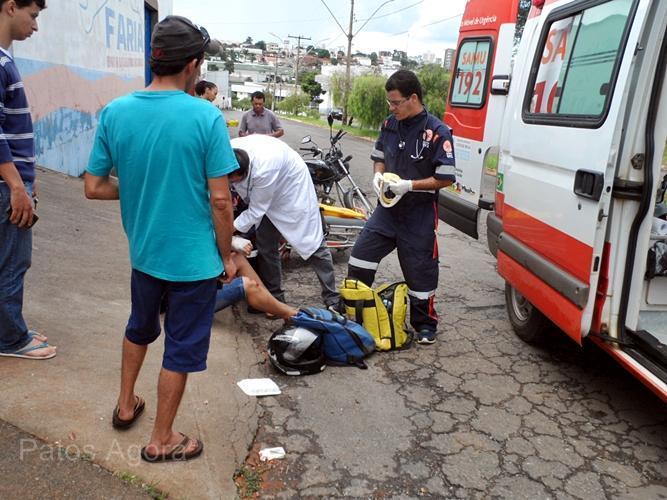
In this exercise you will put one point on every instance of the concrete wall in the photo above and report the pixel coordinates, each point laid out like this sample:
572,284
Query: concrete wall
86,53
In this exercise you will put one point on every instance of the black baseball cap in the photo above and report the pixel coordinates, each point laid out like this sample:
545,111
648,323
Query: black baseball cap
176,39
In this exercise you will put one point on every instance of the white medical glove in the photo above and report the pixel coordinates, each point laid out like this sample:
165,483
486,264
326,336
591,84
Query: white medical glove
399,187
241,245
377,183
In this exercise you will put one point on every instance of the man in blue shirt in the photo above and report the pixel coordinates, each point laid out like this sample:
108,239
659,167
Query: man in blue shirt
18,195
172,155
418,148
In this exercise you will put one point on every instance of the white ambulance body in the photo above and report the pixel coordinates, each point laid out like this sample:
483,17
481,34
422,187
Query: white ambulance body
581,143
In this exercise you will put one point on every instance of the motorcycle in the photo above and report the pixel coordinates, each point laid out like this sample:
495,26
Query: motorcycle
328,170
344,221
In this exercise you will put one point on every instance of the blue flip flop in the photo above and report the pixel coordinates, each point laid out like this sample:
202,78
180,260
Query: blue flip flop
23,353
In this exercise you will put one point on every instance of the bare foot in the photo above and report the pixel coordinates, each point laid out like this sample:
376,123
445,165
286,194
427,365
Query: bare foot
127,413
45,352
38,336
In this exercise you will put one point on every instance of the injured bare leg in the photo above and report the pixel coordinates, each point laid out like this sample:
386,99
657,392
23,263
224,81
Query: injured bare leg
256,293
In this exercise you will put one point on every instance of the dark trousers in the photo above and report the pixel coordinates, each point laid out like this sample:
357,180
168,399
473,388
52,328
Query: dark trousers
269,266
411,230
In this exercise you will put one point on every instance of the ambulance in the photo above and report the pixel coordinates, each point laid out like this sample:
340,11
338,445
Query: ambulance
571,124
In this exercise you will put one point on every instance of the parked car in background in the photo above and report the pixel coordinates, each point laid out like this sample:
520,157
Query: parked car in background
336,113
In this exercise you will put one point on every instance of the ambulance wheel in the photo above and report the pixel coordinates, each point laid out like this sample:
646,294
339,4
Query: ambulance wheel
529,324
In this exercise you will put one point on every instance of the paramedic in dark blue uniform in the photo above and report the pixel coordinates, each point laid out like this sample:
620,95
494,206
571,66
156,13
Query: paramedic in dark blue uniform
417,147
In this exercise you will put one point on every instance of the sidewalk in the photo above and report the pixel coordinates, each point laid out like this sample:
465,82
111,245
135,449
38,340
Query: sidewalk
77,293
25,474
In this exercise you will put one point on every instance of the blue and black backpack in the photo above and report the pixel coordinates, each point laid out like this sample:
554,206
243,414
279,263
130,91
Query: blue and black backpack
345,342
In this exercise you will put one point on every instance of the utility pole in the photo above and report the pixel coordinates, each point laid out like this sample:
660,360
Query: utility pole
348,62
298,51
349,35
275,83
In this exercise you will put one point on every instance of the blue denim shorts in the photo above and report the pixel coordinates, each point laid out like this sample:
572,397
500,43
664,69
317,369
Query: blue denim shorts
187,322
229,294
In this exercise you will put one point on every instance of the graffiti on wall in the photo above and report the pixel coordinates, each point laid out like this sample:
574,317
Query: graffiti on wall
86,53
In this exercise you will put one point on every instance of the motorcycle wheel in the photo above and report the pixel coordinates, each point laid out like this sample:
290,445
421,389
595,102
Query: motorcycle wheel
353,201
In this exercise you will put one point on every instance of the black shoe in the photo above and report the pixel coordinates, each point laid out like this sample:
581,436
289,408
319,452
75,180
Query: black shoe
426,337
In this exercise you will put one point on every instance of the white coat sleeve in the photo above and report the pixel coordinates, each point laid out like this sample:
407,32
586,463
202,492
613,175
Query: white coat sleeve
259,198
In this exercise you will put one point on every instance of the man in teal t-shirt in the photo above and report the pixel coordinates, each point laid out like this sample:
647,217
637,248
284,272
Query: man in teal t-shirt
172,155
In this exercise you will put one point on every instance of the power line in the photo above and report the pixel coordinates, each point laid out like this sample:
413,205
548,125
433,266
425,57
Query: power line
395,12
429,24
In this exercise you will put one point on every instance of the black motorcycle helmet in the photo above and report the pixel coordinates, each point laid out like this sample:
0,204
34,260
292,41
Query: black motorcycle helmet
294,350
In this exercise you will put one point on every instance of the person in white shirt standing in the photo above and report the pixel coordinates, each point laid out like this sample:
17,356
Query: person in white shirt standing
275,183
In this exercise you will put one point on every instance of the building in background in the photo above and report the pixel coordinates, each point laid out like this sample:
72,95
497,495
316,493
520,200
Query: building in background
84,55
449,59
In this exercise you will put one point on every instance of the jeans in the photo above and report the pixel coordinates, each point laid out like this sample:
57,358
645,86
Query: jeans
15,258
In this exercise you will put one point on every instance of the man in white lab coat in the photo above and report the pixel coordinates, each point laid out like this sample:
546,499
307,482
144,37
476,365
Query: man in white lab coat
275,183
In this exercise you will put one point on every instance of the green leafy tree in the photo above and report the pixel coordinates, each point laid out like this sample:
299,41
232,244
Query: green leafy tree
368,100
524,9
309,85
435,85
229,66
244,104
294,104
407,63
374,58
337,88
260,44
248,40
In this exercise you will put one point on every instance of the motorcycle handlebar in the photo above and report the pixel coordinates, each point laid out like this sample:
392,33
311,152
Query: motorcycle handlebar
337,137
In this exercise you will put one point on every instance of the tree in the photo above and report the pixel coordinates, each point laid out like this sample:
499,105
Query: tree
213,67
309,85
374,58
261,44
229,66
323,53
294,104
337,87
252,57
435,85
408,63
248,40
368,100
524,9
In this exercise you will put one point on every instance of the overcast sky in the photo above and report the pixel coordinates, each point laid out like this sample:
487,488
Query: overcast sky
411,25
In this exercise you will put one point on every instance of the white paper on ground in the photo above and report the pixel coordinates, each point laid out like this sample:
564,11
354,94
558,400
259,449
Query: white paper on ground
259,387
271,453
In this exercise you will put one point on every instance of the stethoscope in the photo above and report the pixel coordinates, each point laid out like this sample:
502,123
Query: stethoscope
425,143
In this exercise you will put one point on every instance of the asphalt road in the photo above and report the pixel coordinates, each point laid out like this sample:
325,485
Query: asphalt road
480,414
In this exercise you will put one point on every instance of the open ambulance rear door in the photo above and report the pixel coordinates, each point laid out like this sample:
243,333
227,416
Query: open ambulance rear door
476,104
559,154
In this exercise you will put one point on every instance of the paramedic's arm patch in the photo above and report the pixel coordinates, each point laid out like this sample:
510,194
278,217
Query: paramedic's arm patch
377,155
443,157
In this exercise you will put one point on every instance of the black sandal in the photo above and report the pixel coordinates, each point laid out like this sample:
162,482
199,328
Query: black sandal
178,454
121,424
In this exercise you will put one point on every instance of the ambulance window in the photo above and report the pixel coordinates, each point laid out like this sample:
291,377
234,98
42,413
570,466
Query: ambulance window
575,68
469,84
